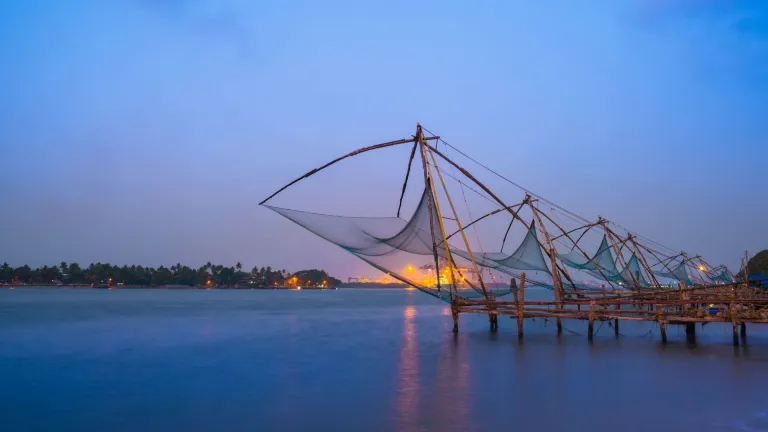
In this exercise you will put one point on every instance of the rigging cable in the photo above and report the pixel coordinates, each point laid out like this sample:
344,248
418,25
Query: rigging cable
565,211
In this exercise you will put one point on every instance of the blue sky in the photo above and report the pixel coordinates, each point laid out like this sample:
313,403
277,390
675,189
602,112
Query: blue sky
139,131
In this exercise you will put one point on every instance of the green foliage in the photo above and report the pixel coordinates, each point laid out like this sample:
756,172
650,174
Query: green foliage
315,278
218,275
101,273
758,264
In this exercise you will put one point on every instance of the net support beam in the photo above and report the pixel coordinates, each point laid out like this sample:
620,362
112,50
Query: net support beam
461,230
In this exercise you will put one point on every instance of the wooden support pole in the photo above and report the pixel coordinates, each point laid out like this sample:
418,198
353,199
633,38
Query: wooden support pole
513,288
557,283
430,199
354,153
617,307
662,323
493,321
735,322
521,307
690,329
458,223
743,330
455,314
591,328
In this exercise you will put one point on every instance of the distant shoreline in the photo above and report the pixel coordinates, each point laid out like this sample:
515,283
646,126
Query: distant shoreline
188,287
175,287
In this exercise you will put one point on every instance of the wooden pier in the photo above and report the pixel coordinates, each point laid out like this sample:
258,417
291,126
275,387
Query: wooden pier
735,303
636,272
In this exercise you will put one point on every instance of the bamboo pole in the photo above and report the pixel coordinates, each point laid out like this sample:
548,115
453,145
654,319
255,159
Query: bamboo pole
448,256
458,223
521,307
354,153
509,227
407,174
430,199
499,210
576,245
735,323
488,191
556,282
612,238
644,264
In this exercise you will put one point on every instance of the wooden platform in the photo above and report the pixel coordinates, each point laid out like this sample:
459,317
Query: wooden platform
737,304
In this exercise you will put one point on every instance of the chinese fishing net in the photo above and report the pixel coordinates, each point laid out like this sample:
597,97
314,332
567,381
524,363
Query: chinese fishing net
389,243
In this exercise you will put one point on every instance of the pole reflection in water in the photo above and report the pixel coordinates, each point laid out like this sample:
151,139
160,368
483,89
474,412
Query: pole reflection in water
452,384
408,368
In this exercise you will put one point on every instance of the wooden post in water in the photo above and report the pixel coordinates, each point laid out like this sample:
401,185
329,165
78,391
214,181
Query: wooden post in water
735,323
616,321
455,314
602,288
690,330
521,311
591,328
513,288
662,324
743,331
557,283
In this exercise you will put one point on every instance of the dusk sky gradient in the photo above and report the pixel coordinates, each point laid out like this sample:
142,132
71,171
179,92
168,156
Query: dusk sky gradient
146,132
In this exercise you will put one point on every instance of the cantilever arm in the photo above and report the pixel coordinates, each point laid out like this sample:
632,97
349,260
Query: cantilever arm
407,174
495,198
509,227
498,210
354,153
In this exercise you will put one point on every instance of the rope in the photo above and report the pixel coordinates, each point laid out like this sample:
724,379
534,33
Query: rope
598,329
573,216
650,332
474,227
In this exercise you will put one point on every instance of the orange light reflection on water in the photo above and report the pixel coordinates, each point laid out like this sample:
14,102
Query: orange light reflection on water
408,374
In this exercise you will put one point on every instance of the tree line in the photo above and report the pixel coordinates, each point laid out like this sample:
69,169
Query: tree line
207,275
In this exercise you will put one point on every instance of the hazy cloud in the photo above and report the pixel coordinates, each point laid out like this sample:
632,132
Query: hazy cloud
225,20
749,18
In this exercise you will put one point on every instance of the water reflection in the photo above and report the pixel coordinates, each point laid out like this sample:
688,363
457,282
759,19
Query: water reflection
408,374
452,398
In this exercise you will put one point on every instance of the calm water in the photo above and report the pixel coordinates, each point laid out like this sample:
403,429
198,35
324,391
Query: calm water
373,360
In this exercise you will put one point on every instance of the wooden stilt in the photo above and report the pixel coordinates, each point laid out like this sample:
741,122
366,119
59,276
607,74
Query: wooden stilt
557,283
662,323
591,328
521,307
743,330
455,314
735,322
494,322
616,322
690,329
